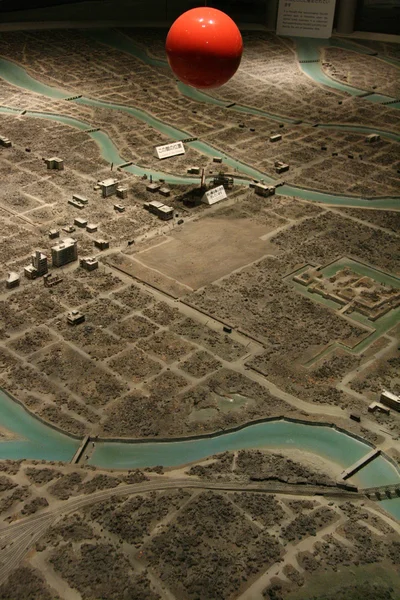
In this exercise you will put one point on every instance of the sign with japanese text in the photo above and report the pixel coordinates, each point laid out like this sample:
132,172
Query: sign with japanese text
170,150
214,195
306,18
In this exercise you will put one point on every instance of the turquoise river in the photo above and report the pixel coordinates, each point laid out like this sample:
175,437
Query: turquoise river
37,440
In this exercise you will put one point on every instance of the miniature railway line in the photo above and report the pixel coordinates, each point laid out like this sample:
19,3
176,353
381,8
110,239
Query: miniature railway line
18,538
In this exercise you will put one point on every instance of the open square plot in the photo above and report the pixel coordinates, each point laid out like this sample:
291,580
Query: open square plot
206,250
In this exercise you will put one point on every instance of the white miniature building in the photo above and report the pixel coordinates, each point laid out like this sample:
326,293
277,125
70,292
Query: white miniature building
80,222
275,138
75,317
54,163
108,187
12,280
122,192
153,187
165,191
79,198
373,137
64,252
90,263
38,267
281,167
264,190
5,142
165,213
390,399
154,206
194,170
102,244
379,407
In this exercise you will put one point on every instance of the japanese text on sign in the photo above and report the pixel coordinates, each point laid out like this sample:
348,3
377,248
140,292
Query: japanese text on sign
170,150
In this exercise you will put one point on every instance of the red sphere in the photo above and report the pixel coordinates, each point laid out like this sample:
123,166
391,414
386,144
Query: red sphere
204,47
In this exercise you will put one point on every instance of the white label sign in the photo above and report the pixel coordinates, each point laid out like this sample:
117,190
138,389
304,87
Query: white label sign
306,18
214,195
170,150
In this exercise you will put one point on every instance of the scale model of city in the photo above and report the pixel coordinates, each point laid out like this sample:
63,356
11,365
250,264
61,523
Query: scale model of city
200,303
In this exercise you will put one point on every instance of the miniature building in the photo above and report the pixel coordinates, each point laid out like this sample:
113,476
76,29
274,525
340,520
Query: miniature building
281,167
378,406
165,213
91,228
119,208
153,187
5,142
90,263
194,170
75,317
13,280
38,267
108,187
355,417
154,206
79,198
275,138
102,244
80,222
391,400
372,137
264,190
64,252
222,179
54,163
217,159
68,229
122,192
76,203
54,233
165,191
50,280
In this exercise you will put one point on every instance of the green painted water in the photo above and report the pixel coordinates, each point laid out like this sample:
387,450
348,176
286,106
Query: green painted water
321,440
15,75
309,49
118,40
36,440
41,442
377,328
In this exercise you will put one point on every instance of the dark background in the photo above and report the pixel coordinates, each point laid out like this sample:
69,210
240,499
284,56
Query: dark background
372,15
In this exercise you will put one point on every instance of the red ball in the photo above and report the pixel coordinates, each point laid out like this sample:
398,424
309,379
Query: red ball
204,47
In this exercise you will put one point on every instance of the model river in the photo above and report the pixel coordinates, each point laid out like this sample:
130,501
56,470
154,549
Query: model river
16,75
37,440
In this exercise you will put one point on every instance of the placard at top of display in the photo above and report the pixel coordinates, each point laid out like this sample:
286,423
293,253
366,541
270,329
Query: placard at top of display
170,150
306,18
214,195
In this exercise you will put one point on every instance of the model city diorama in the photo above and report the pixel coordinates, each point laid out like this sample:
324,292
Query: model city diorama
200,315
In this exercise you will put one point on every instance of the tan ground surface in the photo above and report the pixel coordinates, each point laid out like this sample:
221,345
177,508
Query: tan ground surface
208,249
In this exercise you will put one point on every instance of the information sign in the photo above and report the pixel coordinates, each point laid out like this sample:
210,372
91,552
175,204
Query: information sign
170,150
214,195
306,18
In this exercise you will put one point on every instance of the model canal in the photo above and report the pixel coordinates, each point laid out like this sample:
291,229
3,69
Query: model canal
36,440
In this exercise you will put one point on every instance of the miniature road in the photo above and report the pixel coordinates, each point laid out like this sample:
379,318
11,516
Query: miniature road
18,538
